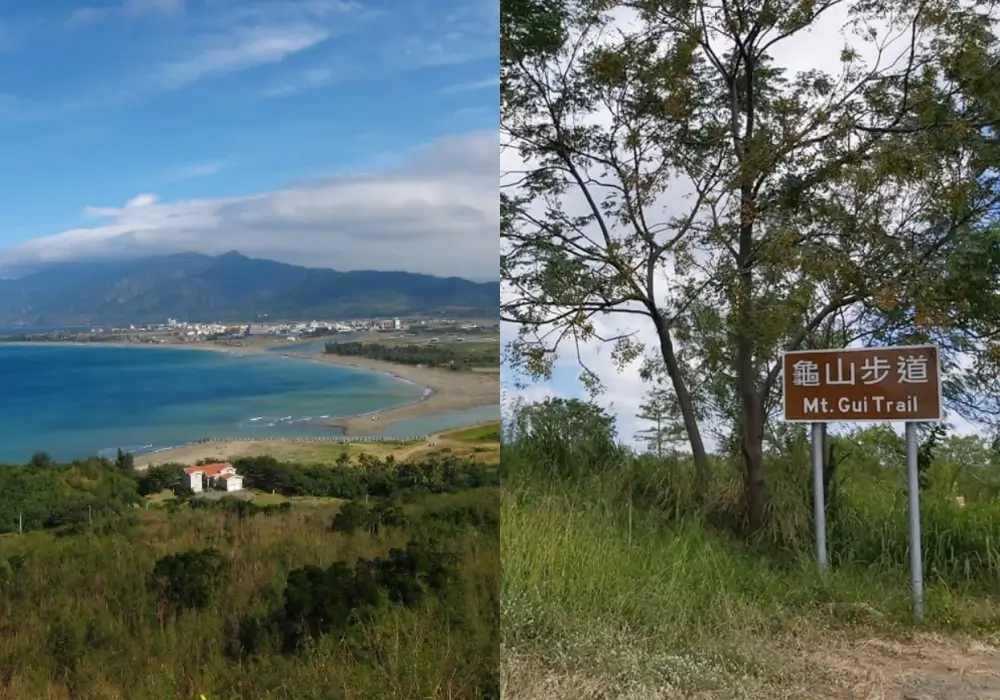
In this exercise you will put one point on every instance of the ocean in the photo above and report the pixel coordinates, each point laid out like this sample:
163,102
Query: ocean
78,401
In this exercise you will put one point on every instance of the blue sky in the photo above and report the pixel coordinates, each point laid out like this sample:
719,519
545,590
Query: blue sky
336,132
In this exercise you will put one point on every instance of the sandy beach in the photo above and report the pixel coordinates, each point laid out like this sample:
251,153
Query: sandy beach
450,391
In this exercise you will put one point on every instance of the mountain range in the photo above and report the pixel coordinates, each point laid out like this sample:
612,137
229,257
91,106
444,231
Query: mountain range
228,287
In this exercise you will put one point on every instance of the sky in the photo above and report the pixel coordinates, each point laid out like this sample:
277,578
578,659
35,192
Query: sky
818,48
350,134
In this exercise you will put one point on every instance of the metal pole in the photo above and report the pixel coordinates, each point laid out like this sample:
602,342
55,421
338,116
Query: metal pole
913,509
819,499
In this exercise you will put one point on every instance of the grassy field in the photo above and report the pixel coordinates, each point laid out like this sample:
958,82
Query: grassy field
91,613
480,442
259,498
487,434
615,585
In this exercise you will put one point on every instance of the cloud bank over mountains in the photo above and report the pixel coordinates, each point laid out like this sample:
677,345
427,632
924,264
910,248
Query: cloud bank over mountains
437,212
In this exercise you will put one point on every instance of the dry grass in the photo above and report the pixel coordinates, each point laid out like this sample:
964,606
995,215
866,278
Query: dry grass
820,665
97,587
456,442
608,597
284,450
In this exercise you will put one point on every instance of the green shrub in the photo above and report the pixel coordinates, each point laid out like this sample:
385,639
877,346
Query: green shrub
188,580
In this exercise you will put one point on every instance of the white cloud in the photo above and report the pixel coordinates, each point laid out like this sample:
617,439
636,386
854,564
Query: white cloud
89,15
141,200
86,16
438,213
223,38
220,38
238,50
484,84
417,39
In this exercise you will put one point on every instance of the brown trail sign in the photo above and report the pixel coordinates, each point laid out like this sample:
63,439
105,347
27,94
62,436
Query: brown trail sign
897,384
900,383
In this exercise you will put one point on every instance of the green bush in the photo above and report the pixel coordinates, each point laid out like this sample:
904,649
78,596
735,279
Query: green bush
451,355
369,477
319,602
188,580
372,519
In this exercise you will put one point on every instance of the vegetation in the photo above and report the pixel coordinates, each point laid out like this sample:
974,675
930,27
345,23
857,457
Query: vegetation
367,476
228,599
488,432
619,582
687,196
461,441
50,495
37,497
456,356
674,178
659,410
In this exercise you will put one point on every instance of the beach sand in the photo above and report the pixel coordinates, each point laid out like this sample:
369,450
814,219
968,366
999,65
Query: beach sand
452,391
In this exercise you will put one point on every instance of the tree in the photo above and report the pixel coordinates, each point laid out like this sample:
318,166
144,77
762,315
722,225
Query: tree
159,478
188,580
41,459
660,409
125,461
565,434
673,174
571,420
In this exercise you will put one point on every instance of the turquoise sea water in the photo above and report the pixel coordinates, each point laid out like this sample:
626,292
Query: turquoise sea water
75,401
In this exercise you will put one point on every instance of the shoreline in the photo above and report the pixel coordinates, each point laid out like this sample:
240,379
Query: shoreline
444,391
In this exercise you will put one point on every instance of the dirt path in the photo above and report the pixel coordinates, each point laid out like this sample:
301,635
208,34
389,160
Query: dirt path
925,668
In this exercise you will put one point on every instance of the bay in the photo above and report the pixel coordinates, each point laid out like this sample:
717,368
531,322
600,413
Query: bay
78,401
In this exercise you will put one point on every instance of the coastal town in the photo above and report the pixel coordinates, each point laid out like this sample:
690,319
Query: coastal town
174,331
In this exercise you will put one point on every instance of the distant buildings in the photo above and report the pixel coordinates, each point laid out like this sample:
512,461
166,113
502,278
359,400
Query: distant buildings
196,332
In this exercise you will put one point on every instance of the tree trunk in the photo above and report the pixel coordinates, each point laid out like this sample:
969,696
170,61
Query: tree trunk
752,437
659,436
702,469
751,399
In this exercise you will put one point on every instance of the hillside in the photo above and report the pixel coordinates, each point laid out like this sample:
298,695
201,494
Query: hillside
358,579
198,287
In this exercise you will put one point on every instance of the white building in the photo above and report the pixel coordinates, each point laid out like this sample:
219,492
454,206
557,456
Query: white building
205,476
233,482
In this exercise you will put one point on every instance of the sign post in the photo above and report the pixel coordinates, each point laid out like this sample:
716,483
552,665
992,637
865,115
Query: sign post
913,511
819,498
865,385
